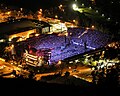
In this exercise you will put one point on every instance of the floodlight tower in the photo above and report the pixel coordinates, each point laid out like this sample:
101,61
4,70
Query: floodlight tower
75,7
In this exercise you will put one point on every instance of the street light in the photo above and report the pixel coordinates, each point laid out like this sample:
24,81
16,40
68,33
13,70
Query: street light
83,4
56,16
103,15
74,21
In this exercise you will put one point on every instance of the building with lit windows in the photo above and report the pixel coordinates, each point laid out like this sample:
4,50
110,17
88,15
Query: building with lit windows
20,30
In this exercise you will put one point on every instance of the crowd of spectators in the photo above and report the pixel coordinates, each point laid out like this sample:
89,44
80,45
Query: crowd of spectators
93,39
78,41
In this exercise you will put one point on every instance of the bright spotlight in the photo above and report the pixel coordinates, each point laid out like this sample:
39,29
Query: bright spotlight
75,7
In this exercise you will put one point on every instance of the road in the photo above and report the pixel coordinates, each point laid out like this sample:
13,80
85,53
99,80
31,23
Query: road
6,69
82,72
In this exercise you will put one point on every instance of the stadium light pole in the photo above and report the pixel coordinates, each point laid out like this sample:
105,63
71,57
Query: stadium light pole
75,7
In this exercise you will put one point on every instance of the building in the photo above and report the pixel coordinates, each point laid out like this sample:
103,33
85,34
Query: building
19,30
22,28
43,27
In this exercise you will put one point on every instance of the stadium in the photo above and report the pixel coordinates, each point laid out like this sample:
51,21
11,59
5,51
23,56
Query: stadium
77,41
